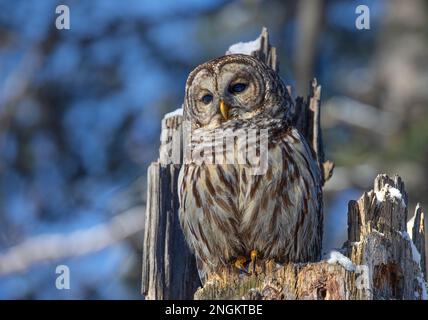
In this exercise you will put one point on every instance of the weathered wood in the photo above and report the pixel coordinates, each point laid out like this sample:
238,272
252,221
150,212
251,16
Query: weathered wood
381,263
267,53
307,119
169,268
315,281
419,235
379,240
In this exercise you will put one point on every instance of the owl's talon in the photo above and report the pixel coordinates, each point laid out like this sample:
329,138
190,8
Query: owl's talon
240,264
253,256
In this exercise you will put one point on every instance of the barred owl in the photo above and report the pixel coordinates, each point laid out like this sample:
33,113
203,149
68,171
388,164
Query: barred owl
229,213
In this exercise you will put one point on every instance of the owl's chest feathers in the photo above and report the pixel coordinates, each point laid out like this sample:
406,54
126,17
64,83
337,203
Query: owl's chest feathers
237,211
234,190
239,143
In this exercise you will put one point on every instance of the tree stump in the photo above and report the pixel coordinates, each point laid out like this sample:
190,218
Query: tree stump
379,260
169,268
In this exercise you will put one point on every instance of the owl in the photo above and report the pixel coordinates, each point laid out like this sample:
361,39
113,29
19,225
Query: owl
230,214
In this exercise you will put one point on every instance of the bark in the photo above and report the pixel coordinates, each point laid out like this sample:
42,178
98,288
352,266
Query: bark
379,260
169,268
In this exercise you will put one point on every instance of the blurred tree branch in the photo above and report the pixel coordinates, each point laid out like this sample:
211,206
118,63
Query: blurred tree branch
309,25
50,247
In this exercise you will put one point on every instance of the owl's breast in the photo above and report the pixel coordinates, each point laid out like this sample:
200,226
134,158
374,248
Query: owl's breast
209,213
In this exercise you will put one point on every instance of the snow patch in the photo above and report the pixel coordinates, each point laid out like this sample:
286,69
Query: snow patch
379,233
410,224
178,112
337,257
394,192
415,253
417,259
245,47
389,192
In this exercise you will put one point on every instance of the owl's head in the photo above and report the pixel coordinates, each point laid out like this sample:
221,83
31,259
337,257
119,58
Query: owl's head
233,87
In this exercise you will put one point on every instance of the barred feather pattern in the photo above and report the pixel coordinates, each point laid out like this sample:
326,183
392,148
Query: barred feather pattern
227,211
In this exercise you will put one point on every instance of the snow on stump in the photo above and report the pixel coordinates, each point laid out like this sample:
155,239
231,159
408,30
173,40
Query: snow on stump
378,261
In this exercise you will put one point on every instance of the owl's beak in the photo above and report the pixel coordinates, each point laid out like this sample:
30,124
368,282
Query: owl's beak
224,109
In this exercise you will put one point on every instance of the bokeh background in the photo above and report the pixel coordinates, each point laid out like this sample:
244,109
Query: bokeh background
80,113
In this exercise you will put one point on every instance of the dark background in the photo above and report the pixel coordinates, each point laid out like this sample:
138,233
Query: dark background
80,113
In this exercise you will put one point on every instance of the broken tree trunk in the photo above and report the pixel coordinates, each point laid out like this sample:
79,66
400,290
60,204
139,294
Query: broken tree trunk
169,268
379,261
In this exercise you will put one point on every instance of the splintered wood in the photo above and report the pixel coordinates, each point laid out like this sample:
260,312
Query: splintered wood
379,260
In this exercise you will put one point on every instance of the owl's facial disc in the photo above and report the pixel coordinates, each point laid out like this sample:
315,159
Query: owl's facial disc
242,89
230,89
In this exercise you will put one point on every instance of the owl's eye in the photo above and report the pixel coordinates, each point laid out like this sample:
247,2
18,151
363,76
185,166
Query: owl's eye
206,99
237,88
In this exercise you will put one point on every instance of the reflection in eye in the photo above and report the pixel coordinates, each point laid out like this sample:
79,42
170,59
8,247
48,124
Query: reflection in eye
206,99
237,88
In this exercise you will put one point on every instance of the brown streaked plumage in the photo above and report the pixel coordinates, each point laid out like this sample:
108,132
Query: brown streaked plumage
226,210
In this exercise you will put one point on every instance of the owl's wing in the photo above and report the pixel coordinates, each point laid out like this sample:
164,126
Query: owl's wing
208,214
202,268
282,209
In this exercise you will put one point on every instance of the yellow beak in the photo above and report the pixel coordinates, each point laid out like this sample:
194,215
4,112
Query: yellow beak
224,109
